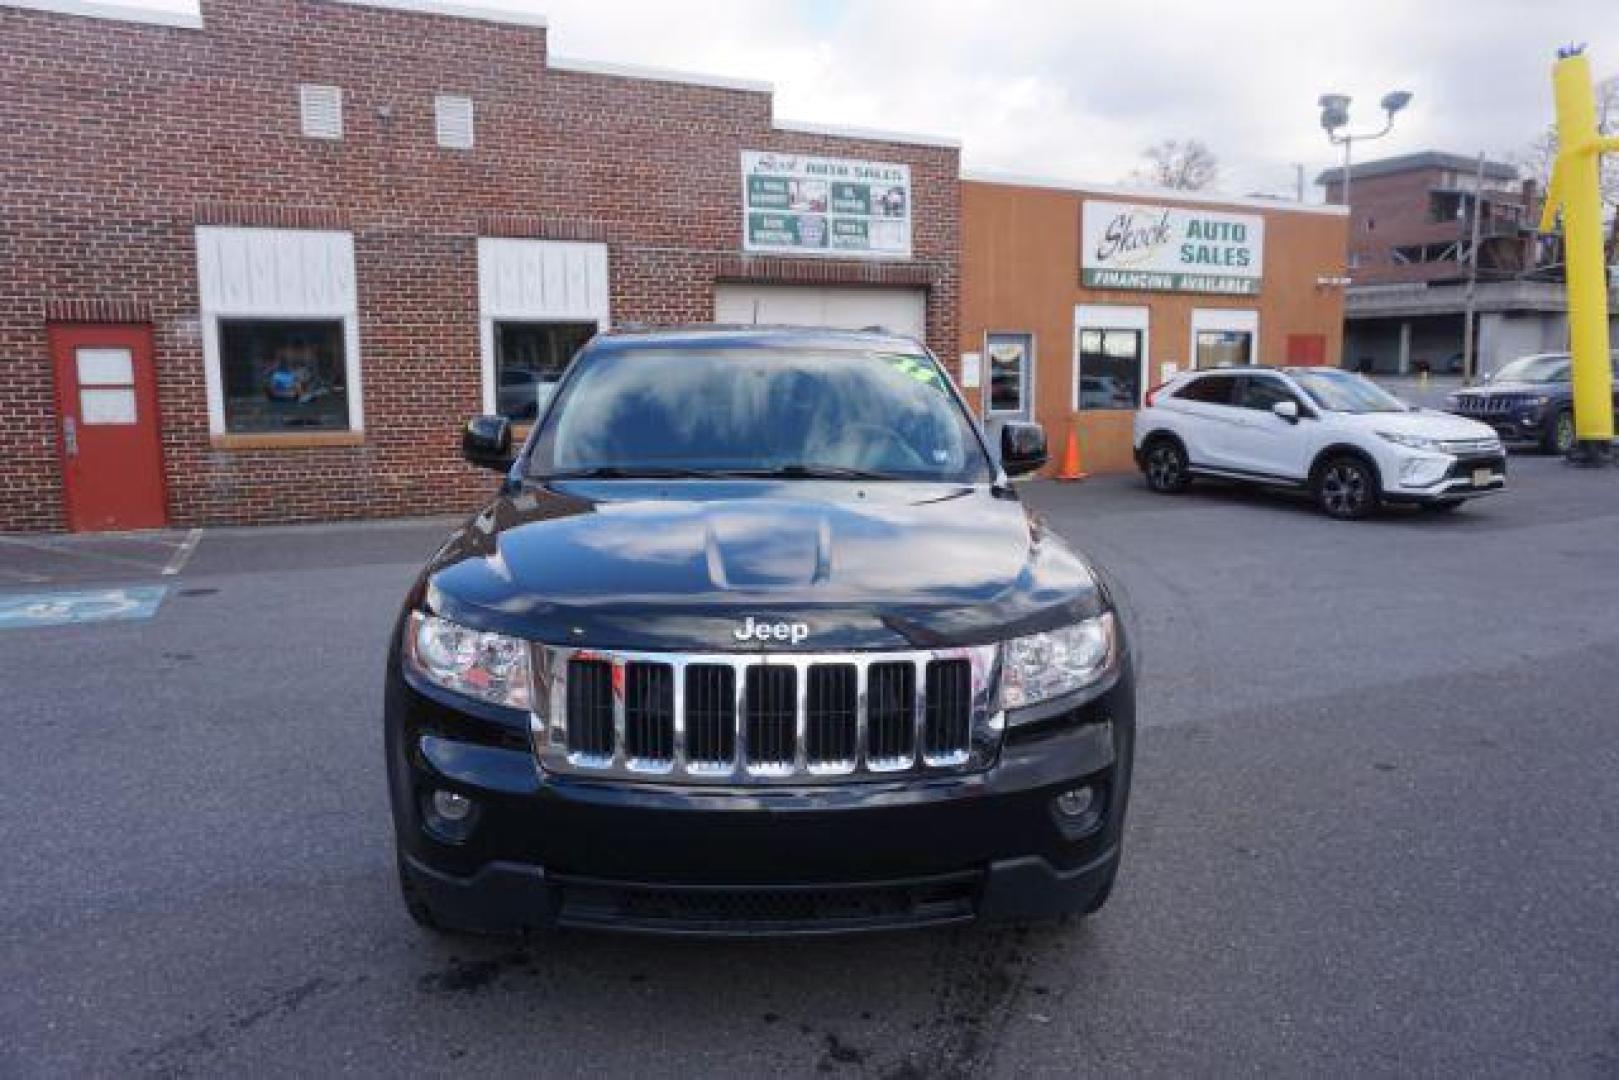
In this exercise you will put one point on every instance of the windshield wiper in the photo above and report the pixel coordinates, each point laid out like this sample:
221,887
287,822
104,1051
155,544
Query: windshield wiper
619,472
808,472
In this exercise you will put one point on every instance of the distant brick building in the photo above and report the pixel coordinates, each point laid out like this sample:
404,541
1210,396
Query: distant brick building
1410,237
1411,217
259,266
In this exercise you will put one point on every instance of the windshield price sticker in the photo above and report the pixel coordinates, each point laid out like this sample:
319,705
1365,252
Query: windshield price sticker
917,368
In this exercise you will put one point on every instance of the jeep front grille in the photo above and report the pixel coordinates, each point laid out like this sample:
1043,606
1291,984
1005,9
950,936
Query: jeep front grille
1492,404
744,718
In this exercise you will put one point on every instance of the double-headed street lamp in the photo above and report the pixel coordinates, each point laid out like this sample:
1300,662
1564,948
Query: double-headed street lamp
1335,115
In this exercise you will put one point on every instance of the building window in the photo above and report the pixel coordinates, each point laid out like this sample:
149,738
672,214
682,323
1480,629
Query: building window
1008,373
320,110
529,359
1224,348
283,375
1110,368
452,118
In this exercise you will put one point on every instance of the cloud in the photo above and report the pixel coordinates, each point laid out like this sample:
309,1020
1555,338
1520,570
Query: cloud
1077,88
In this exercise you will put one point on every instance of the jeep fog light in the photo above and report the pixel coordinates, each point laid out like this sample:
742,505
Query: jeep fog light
448,816
1078,811
451,806
1075,803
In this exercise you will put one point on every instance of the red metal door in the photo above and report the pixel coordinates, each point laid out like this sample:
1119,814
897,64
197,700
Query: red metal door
107,429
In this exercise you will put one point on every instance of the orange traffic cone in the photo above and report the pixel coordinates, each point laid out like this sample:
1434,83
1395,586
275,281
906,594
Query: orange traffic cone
1070,459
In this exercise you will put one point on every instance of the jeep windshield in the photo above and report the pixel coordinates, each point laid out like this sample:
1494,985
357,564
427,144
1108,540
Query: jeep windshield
1534,369
750,412
1345,392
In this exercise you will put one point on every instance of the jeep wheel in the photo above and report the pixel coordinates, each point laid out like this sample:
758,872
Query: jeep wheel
1166,467
1561,435
1345,489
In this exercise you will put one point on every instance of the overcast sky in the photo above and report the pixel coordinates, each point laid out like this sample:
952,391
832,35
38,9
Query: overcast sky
1076,88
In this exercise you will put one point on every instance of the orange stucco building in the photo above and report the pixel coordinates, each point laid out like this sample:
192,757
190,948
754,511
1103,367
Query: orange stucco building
1078,299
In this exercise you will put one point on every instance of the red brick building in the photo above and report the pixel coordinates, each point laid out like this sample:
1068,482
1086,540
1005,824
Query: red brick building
1410,249
259,266
1412,217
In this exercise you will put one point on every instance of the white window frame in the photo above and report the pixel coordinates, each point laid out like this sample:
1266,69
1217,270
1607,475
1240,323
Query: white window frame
536,281
1113,317
276,274
1222,319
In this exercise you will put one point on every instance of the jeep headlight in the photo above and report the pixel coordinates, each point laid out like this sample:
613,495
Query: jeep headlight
1413,442
479,664
1040,667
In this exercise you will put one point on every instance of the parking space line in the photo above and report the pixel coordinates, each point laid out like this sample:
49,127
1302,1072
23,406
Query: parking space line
183,555
64,549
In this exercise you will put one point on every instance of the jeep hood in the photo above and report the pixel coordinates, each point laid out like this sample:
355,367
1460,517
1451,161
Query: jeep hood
1539,389
679,564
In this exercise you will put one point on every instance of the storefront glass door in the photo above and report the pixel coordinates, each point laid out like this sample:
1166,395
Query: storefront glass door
1008,390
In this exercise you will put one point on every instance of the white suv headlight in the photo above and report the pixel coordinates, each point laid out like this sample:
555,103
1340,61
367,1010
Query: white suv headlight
489,667
1044,666
1413,442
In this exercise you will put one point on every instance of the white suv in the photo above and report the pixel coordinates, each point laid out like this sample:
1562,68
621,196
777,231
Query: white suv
1342,438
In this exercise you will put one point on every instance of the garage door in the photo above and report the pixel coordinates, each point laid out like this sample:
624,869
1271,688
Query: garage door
903,311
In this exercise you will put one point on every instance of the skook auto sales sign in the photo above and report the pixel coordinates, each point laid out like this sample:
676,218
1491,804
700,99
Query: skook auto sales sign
1170,249
798,205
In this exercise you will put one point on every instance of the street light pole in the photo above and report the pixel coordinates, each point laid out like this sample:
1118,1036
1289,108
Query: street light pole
1349,142
1335,115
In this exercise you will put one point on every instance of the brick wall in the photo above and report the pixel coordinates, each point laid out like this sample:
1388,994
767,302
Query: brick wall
1392,211
122,138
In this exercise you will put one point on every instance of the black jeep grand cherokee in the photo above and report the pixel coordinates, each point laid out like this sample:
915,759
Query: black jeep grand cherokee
756,638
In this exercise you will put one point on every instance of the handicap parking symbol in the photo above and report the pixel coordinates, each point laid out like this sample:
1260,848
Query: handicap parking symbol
67,607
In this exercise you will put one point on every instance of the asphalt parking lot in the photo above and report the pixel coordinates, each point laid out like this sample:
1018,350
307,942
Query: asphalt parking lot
1373,829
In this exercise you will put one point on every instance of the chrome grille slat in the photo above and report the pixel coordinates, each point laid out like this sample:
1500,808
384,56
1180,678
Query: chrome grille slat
710,718
770,718
832,706
760,718
946,696
891,720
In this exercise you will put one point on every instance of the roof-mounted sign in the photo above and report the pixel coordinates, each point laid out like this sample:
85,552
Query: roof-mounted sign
1150,248
794,204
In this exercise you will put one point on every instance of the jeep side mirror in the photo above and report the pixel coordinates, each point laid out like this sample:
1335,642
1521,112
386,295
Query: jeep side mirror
1023,448
487,442
1287,410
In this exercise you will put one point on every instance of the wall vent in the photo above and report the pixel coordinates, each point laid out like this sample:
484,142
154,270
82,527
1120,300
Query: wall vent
321,110
453,118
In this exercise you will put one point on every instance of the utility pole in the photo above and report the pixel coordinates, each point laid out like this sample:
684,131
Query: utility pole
1469,367
1298,172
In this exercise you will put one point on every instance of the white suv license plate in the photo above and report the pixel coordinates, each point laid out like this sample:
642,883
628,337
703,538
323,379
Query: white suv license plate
1482,477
